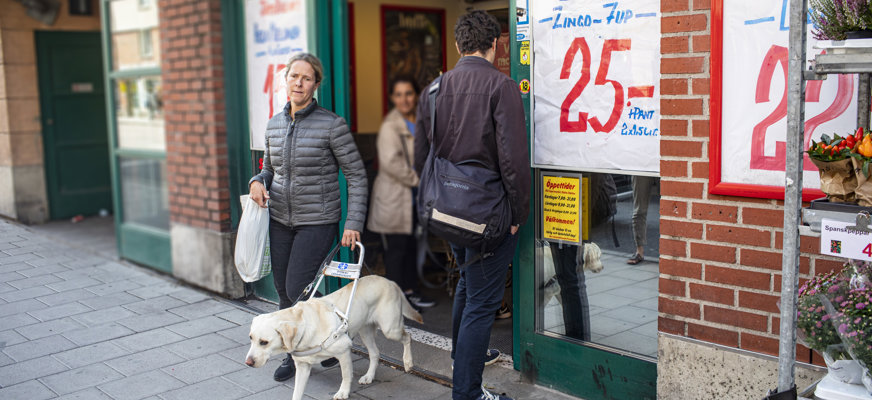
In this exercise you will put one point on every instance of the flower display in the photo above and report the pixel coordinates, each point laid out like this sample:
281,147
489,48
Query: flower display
813,322
833,19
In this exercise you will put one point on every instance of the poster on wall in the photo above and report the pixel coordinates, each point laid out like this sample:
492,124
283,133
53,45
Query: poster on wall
749,119
561,207
274,31
413,45
596,85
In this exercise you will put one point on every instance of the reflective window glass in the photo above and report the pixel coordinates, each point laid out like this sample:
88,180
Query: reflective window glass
135,30
144,192
139,113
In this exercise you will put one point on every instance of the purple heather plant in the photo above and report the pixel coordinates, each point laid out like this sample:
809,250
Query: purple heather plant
814,326
834,18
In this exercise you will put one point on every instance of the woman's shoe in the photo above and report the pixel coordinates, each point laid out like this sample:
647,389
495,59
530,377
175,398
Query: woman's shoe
635,259
286,370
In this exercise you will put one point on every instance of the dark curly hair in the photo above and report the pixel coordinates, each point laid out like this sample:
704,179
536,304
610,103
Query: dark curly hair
404,78
476,31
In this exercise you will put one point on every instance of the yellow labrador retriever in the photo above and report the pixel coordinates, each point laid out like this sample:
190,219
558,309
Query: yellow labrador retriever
310,331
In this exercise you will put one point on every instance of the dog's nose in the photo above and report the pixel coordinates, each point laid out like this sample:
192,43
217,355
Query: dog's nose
249,362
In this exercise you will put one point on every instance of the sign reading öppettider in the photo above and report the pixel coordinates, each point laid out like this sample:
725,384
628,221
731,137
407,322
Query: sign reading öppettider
844,239
561,208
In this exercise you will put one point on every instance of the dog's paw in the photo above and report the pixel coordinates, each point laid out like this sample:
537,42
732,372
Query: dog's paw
365,380
408,366
340,395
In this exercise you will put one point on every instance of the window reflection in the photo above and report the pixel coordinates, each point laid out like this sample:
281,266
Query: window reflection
139,113
134,26
144,192
616,306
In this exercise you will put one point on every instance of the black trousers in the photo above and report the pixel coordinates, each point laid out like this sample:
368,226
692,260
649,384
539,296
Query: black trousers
296,254
399,256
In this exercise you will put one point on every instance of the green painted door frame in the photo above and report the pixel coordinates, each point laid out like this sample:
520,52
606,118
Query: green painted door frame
72,109
582,370
141,243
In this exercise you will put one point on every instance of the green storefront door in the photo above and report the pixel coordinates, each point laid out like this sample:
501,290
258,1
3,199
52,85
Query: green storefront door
72,104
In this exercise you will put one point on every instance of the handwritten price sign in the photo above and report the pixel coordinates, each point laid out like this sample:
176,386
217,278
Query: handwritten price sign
596,76
753,104
274,31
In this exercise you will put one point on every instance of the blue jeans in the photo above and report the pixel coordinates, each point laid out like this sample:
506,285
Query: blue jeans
573,291
296,254
478,297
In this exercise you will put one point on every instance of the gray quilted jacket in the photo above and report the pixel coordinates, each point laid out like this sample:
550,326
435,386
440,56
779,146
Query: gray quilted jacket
301,169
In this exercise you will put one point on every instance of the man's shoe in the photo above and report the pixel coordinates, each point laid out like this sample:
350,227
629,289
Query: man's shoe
504,312
491,356
418,300
286,370
329,362
490,396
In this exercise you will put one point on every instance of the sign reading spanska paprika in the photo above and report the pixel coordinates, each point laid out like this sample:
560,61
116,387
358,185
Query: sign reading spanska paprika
561,208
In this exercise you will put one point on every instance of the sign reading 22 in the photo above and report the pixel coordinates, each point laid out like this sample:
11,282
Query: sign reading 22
609,46
844,94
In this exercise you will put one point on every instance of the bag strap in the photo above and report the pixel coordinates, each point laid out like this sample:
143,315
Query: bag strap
434,90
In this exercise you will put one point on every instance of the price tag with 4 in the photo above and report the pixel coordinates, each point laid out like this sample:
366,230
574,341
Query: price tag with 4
846,239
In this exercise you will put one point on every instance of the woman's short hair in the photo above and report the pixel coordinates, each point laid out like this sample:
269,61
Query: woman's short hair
309,58
476,31
404,79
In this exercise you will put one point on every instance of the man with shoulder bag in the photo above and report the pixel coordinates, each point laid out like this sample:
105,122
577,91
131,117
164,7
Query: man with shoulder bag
471,155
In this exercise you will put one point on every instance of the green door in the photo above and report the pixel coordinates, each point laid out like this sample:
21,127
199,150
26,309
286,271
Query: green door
73,110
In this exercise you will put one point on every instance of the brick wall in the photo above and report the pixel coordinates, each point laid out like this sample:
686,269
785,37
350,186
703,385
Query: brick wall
720,256
193,89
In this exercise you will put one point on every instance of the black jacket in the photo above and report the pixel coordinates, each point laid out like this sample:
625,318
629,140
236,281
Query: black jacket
479,116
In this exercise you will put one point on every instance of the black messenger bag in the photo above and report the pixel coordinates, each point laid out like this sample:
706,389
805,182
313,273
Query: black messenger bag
464,203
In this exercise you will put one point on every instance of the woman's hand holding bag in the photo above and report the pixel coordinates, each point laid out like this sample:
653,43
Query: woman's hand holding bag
252,256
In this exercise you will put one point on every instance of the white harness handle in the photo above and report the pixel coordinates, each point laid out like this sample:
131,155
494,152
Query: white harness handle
338,270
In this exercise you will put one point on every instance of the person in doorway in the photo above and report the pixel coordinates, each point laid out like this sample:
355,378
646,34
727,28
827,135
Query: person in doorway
391,211
479,116
641,196
305,147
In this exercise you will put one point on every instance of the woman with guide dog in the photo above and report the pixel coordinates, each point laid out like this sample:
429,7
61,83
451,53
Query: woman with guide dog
306,145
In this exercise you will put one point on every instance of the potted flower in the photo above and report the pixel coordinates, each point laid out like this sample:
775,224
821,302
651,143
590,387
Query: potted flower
841,19
833,156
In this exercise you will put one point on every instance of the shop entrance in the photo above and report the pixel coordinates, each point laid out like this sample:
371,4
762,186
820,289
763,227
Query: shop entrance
73,110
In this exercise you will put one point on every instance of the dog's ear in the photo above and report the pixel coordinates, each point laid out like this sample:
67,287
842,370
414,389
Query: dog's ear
287,332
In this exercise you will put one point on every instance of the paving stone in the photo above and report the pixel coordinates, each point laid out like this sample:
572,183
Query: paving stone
411,387
148,360
150,339
18,295
155,305
190,296
238,334
113,287
112,300
5,287
30,390
254,379
10,338
88,355
69,296
201,326
81,378
48,328
147,322
37,281
5,360
201,309
38,348
86,261
87,394
85,272
237,316
238,353
201,346
97,334
142,385
26,249
44,270
76,283
203,368
213,389
30,369
9,277
48,260
104,316
20,307
65,310
20,258
17,320
5,268
150,292
278,392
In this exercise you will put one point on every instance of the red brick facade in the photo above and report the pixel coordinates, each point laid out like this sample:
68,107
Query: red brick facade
720,258
194,107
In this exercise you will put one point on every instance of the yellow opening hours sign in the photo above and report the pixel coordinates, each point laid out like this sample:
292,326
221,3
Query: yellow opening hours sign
561,208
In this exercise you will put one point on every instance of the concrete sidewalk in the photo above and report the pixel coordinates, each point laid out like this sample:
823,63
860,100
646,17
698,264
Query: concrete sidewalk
75,324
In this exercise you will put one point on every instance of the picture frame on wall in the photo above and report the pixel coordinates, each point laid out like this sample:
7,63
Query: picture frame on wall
413,44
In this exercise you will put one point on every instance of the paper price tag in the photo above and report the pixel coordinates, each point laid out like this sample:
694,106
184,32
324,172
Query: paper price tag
842,239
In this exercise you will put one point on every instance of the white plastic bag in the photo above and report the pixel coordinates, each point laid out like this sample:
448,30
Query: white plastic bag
252,256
